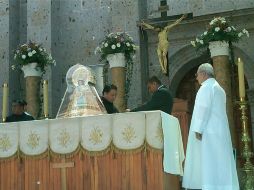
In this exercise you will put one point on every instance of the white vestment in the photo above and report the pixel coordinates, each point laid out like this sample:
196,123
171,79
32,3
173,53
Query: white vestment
210,163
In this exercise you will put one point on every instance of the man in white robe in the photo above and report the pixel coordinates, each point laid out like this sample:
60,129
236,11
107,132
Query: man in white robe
209,163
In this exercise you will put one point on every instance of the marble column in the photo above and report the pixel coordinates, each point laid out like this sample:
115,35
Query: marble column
219,51
118,79
39,30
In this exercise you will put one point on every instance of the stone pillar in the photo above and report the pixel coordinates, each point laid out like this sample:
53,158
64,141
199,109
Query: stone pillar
117,64
4,47
39,30
128,12
33,95
118,79
222,73
250,95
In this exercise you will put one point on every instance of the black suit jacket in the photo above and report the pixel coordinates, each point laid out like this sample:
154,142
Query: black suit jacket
109,106
161,100
22,117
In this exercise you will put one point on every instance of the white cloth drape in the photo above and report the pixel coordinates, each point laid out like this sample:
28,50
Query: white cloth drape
33,137
64,135
127,131
154,132
173,145
9,140
96,132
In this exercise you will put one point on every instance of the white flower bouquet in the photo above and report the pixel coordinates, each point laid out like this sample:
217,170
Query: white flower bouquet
119,42
30,53
219,30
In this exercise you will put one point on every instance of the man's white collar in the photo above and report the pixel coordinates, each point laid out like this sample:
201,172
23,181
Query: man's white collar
160,87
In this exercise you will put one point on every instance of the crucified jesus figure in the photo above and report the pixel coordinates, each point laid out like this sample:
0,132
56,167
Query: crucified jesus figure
163,43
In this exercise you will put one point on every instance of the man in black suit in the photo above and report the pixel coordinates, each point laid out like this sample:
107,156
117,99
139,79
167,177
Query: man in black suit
161,97
18,112
109,95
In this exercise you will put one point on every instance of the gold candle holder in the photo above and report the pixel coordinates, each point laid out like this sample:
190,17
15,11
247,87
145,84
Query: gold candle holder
247,180
45,98
5,102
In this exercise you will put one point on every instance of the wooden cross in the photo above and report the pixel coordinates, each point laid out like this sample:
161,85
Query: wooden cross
63,165
163,8
162,21
164,18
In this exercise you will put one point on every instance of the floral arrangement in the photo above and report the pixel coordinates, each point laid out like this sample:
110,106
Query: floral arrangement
32,52
119,42
219,30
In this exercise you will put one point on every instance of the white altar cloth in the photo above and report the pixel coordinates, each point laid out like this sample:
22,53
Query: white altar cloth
125,131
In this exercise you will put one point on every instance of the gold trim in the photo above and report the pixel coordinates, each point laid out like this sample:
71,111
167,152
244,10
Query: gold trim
69,155
95,153
128,151
81,151
153,149
39,156
12,157
5,143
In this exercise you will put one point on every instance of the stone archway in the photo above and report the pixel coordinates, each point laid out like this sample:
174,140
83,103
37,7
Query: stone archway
184,64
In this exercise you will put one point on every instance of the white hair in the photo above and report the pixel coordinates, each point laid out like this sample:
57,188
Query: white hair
206,68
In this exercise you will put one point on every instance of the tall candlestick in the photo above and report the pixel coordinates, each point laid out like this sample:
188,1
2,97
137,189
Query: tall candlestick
241,78
5,101
247,178
45,98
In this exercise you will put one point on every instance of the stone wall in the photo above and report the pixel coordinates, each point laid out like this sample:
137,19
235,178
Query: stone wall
4,48
198,7
14,37
78,27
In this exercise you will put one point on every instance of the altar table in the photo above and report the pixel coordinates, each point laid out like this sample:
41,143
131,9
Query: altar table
114,152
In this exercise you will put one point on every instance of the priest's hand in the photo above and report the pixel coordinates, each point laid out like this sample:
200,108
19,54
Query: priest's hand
199,136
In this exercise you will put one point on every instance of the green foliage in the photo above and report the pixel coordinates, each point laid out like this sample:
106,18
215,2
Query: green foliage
219,30
32,52
119,42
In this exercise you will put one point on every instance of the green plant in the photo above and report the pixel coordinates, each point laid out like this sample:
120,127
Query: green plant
219,30
119,42
32,52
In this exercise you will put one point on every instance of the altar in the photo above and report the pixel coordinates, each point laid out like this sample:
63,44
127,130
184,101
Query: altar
117,151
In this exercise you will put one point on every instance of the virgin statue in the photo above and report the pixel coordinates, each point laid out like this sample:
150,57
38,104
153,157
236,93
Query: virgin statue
81,97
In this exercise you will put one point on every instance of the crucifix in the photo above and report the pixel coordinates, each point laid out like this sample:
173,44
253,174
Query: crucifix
63,165
162,26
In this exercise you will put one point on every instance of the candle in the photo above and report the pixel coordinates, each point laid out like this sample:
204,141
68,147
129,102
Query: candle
45,98
241,79
5,101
